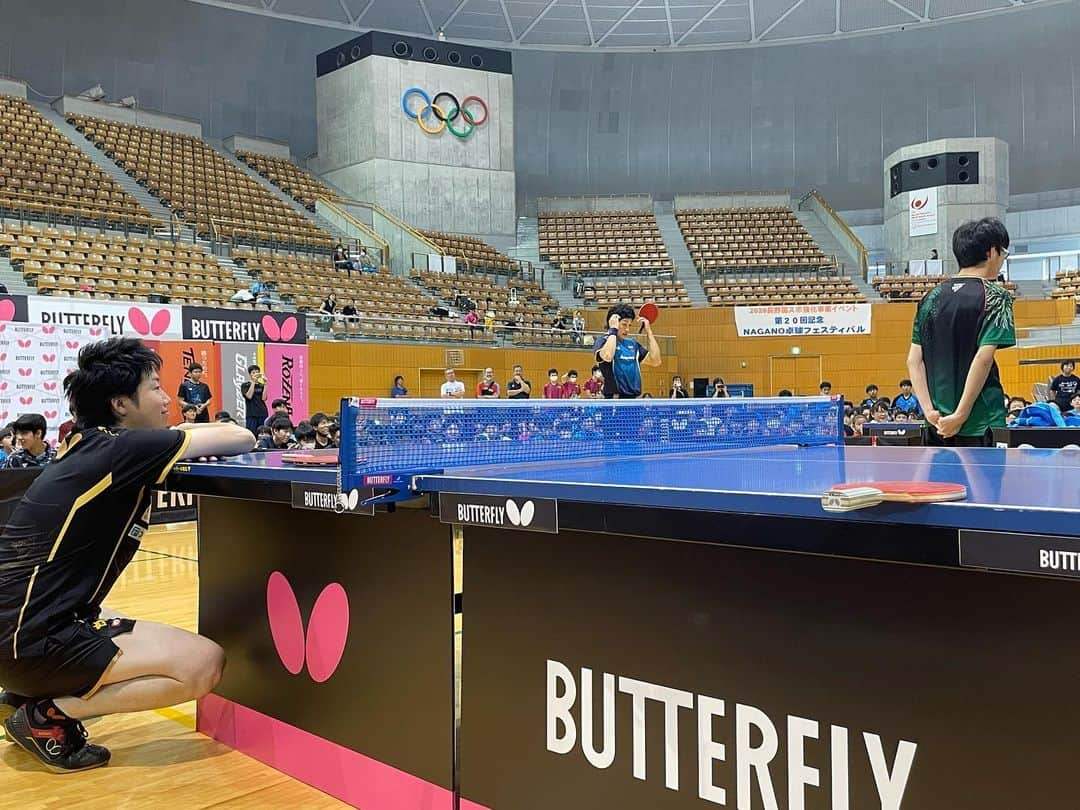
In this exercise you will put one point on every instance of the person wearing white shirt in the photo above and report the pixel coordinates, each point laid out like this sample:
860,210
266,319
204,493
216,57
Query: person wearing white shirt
453,388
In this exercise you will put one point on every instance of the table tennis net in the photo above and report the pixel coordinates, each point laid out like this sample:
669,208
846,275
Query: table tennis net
403,435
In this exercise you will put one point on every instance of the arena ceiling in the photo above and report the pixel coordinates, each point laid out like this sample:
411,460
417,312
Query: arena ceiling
647,25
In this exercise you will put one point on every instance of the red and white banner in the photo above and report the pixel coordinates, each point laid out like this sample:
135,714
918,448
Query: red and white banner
922,212
34,360
107,319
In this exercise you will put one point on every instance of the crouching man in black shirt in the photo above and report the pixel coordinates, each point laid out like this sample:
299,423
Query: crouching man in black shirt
62,657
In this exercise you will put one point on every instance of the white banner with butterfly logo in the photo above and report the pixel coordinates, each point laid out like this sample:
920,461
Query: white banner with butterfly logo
34,359
107,319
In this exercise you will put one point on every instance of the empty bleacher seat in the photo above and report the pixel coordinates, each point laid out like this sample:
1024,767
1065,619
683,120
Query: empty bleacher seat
604,242
748,239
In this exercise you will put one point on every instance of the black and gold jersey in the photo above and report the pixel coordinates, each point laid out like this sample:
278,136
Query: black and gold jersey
76,527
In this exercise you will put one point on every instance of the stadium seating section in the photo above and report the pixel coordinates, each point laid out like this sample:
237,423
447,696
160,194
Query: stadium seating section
474,253
199,184
665,292
604,242
748,239
907,288
303,187
43,174
1068,285
743,291
86,264
532,307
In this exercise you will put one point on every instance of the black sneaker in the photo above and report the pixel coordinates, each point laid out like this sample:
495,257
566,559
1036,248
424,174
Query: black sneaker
58,741
9,702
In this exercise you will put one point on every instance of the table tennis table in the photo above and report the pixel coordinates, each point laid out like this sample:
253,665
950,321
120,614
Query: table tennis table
663,631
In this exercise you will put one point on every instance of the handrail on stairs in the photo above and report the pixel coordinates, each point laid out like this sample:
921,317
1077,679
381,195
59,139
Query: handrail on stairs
864,261
415,234
384,246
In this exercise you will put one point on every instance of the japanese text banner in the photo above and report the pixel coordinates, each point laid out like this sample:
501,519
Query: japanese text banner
802,320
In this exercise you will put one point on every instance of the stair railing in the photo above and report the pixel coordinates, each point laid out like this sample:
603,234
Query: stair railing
820,206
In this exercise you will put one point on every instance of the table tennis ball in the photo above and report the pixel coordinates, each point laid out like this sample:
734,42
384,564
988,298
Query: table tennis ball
1026,446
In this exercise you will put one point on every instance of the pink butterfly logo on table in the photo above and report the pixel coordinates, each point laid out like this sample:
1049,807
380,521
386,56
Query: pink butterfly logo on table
279,334
323,643
156,325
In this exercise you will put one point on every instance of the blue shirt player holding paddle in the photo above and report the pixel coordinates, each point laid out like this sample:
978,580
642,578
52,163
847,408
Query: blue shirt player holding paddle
620,356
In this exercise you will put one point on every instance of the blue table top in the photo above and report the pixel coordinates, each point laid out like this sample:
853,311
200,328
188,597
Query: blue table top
1029,491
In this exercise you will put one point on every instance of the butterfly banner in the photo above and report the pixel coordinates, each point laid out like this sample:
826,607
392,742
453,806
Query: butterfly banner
243,326
34,359
286,370
107,319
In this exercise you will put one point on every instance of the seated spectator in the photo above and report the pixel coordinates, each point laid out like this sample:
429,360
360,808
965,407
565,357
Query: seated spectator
399,389
489,320
857,422
224,416
261,432
7,444
342,260
65,429
848,429
279,407
1074,404
305,436
335,433
677,391
785,392
188,414
906,402
1065,385
328,308
571,389
594,386
825,388
348,312
1016,404
280,437
880,412
719,388
263,292
472,318
34,451
322,424
553,390
871,396
579,325
487,388
366,262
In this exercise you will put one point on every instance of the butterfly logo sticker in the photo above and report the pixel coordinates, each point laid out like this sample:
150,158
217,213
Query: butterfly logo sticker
322,644
279,334
521,517
155,326
7,309
347,501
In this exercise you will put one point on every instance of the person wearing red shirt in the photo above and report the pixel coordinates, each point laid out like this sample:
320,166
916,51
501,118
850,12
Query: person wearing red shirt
594,386
553,390
487,388
571,389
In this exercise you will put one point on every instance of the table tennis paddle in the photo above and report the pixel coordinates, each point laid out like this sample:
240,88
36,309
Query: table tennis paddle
312,457
847,497
650,312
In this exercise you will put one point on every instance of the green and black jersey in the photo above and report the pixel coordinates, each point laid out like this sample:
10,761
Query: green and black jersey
952,322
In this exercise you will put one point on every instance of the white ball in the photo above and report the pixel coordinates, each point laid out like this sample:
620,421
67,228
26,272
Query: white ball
1071,447
1026,446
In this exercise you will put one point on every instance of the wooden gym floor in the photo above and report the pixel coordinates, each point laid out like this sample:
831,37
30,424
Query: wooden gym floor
156,756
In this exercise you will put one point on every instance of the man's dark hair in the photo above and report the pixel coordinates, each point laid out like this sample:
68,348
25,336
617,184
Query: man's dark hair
252,368
318,418
552,371
784,392
195,367
622,310
824,384
905,382
262,430
304,432
885,401
279,403
594,369
1067,363
108,369
572,372
972,241
281,422
223,416
30,423
871,387
187,408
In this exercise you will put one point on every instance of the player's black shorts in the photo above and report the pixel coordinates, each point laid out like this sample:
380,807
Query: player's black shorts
70,661
932,439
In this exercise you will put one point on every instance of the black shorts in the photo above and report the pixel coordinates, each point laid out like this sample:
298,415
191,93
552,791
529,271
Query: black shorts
68,662
932,439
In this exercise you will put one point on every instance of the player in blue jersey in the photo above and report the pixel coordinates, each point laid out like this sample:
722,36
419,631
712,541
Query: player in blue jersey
621,357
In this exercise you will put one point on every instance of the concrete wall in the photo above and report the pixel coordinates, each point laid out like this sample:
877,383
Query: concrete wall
11,87
956,203
262,146
128,115
373,151
617,202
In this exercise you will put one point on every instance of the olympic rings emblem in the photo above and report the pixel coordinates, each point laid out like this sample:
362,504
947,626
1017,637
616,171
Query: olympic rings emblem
445,114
